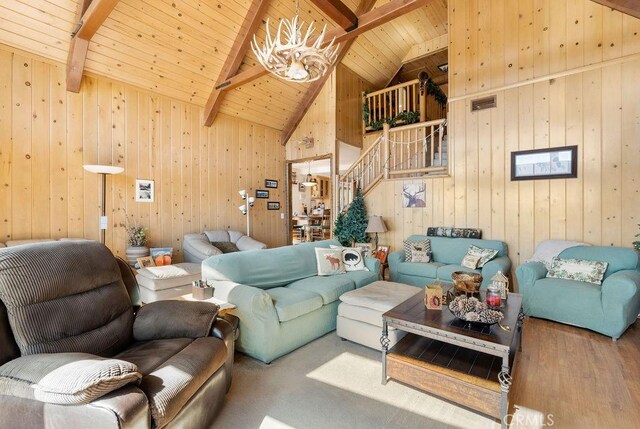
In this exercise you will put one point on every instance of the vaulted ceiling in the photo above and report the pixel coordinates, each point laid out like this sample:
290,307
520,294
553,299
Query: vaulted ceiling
178,47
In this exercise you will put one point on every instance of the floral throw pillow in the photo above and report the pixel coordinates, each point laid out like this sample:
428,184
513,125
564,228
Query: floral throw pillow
329,261
418,245
471,261
485,254
578,269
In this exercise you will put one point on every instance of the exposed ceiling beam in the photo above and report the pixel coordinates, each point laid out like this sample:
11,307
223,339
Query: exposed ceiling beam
252,20
426,48
630,7
366,21
90,16
314,90
338,12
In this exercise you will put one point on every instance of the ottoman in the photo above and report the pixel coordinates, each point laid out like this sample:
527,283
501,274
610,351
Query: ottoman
360,312
167,281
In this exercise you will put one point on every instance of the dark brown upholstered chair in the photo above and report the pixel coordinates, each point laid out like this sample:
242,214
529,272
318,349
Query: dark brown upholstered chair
65,297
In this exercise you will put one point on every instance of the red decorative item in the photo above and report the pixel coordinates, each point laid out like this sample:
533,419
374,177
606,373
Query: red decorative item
493,298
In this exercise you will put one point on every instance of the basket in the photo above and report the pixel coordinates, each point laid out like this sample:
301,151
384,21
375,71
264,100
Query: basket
468,283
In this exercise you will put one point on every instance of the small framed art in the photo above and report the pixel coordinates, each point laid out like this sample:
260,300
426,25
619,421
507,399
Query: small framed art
262,193
270,183
555,163
273,205
144,191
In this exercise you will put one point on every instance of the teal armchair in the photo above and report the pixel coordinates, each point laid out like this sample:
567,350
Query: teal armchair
608,309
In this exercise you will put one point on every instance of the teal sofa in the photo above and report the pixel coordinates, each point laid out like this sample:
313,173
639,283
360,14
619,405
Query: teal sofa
609,308
281,301
447,256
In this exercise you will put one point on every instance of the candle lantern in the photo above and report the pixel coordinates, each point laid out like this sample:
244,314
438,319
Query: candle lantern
501,283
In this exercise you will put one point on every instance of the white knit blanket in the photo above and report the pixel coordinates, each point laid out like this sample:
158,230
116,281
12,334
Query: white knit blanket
547,250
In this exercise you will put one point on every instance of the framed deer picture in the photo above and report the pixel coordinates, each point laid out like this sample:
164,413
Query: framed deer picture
413,195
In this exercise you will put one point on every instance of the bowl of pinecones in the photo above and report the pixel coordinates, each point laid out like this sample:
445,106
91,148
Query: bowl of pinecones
471,309
467,283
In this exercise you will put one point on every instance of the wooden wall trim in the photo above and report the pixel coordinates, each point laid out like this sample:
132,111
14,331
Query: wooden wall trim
565,73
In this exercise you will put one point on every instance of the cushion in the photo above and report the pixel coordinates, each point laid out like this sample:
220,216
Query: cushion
329,288
168,276
65,297
65,378
174,319
217,235
471,261
329,262
381,295
445,271
451,250
442,231
361,278
352,258
617,258
419,245
225,246
485,254
580,270
421,270
292,303
420,256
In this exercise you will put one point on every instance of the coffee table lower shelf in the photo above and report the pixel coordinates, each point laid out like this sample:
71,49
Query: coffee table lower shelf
461,375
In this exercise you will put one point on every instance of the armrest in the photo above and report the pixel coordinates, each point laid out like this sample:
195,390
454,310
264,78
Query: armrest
621,287
394,259
528,274
502,263
174,319
372,264
198,247
250,301
247,243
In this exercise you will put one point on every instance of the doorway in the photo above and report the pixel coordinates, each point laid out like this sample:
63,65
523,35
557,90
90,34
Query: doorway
310,199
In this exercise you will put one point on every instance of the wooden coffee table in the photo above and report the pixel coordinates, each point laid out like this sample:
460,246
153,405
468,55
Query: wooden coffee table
464,363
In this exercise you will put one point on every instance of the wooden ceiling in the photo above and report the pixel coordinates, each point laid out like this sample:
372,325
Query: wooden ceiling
430,63
178,47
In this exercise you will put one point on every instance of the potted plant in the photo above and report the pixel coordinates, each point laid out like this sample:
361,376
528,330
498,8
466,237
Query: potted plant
636,244
136,238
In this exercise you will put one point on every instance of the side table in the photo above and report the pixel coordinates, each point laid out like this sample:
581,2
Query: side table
225,306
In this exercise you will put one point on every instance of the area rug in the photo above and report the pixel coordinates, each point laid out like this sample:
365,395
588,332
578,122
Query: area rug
332,384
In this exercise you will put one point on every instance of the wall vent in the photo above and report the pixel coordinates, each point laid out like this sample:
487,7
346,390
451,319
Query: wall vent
483,103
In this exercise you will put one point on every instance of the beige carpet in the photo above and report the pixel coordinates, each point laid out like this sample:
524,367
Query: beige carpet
332,384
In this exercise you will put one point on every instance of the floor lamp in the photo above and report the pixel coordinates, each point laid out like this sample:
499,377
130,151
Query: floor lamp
376,224
246,209
103,170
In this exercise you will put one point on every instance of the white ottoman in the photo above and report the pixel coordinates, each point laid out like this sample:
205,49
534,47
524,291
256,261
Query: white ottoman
167,281
360,312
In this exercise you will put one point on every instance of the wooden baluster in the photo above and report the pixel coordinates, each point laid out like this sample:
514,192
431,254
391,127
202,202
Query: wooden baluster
431,146
386,136
440,133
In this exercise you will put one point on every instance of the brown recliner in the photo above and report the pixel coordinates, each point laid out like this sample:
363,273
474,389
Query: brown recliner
65,297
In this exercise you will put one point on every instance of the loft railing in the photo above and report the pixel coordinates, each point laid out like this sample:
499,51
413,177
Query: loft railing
408,151
399,105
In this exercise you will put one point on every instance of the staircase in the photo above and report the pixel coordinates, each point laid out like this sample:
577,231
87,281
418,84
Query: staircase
413,150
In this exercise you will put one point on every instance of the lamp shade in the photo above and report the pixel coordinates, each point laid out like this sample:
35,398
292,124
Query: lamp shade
103,169
376,224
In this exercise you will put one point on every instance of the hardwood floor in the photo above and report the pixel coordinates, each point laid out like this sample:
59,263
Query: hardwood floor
579,378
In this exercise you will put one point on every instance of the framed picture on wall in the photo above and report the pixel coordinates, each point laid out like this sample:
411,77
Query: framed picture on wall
382,252
273,205
301,187
270,183
556,163
261,193
144,191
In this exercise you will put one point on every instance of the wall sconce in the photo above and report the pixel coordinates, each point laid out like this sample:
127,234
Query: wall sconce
245,208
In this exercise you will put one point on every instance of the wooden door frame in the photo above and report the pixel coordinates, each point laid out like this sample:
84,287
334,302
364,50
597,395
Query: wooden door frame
288,183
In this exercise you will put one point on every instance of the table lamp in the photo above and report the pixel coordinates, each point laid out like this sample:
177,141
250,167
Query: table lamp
376,225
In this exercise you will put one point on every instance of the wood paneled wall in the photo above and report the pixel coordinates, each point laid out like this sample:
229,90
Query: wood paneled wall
502,42
47,134
349,89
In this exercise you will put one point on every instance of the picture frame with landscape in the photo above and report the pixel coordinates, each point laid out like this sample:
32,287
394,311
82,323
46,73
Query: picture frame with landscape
536,164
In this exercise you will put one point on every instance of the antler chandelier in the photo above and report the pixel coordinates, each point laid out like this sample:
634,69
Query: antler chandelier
294,60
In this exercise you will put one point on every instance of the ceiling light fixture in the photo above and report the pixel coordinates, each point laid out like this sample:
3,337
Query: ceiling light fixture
294,60
309,180
444,68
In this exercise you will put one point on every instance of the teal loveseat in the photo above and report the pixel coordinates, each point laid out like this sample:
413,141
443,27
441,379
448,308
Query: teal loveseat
447,256
609,308
281,301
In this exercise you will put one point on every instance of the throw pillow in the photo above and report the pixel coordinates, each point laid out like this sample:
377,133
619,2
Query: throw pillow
352,258
419,245
485,254
329,261
419,256
578,269
65,378
471,261
225,246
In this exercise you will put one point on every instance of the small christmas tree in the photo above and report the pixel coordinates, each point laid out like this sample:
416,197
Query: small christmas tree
339,231
356,221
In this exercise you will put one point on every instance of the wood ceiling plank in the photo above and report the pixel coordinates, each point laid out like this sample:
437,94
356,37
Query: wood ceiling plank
338,12
251,22
427,48
630,7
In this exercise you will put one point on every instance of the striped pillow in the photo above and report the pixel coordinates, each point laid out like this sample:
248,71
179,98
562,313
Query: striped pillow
65,378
